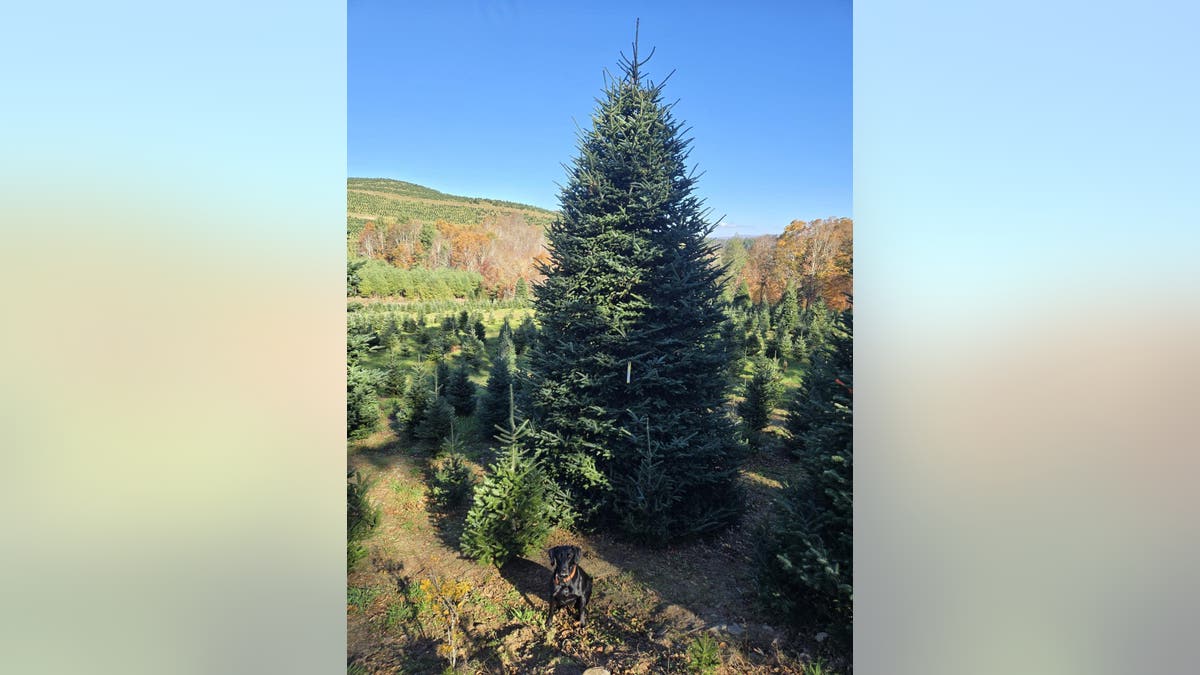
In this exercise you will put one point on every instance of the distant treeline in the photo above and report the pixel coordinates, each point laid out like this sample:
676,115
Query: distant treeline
816,258
376,278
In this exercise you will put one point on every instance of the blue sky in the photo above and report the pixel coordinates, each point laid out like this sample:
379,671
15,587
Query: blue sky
483,98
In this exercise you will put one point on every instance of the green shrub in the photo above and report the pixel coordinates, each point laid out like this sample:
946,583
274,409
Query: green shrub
399,613
703,655
360,598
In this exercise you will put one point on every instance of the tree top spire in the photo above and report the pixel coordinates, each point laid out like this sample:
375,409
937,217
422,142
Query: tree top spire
631,65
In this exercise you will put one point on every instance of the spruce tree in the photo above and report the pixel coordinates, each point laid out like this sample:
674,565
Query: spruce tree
763,393
524,335
630,312
436,420
506,331
494,404
521,290
515,506
460,391
741,300
789,312
806,570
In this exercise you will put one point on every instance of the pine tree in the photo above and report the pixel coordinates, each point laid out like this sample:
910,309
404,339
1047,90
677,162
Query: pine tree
436,421
460,391
630,310
515,505
521,291
362,388
754,344
524,335
419,397
817,329
494,404
806,570
789,312
741,300
473,351
506,332
763,393
362,402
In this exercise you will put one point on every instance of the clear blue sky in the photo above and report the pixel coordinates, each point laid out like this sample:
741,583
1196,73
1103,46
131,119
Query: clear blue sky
482,98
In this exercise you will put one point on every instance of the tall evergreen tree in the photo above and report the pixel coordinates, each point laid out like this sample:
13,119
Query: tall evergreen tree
494,404
630,311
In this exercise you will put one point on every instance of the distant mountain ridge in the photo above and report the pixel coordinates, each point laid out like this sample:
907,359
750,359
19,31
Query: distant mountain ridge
402,189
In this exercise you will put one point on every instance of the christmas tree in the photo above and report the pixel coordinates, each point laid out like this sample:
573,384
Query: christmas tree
630,312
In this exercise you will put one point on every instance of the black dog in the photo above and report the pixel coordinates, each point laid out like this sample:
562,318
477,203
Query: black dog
571,585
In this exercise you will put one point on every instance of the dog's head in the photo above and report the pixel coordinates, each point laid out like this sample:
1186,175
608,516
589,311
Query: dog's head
565,561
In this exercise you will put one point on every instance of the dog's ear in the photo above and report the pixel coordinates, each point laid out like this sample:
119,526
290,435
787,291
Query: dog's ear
551,552
577,552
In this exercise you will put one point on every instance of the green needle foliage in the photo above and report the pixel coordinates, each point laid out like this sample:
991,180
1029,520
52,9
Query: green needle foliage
514,506
361,516
763,393
631,288
806,573
460,391
494,404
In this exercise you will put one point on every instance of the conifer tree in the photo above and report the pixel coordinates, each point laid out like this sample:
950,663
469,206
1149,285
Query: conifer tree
806,570
741,300
515,505
460,391
473,351
418,398
630,312
506,331
789,312
524,335
763,393
521,291
436,421
494,404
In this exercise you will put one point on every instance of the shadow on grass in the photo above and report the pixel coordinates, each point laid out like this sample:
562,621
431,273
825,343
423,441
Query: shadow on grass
448,525
530,579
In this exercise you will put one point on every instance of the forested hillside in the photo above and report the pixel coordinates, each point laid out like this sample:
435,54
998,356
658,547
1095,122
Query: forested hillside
411,227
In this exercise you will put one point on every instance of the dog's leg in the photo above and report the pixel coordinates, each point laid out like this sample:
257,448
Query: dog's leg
581,612
550,614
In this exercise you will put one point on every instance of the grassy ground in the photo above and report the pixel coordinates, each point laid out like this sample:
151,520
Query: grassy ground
653,610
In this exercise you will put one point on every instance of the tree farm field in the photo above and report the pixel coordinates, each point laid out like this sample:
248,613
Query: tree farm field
605,409
651,606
